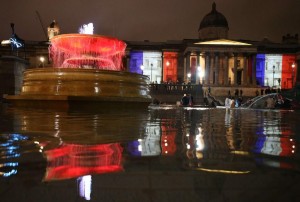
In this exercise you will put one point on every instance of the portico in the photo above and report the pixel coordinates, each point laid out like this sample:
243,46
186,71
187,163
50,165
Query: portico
225,63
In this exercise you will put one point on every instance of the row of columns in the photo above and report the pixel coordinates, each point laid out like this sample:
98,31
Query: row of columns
218,63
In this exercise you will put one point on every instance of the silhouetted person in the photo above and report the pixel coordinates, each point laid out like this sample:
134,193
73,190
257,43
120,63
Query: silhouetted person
185,100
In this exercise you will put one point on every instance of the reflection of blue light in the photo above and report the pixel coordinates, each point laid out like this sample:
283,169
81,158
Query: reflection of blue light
11,148
9,151
17,137
12,156
5,144
133,148
259,144
12,172
11,164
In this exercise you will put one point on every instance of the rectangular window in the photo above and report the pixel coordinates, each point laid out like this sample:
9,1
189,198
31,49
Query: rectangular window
158,63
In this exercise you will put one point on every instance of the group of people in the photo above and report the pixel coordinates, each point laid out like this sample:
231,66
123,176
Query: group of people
187,100
230,102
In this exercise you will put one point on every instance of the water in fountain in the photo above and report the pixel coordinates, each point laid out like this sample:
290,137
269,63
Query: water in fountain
86,50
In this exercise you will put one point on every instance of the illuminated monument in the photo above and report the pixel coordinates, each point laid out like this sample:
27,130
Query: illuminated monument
86,68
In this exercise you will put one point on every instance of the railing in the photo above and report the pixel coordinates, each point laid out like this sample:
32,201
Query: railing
175,88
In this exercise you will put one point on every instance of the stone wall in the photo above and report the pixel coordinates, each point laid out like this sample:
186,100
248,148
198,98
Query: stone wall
11,74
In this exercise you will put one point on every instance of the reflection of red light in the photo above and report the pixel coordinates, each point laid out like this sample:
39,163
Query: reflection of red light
71,160
80,50
168,141
287,147
286,143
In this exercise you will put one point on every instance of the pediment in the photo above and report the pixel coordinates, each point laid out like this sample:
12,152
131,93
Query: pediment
223,42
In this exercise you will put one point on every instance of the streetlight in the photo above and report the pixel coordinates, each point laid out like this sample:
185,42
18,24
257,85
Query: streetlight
293,72
189,76
142,68
42,60
151,65
199,73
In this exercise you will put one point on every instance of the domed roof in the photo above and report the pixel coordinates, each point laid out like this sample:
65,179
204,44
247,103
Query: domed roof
53,24
214,19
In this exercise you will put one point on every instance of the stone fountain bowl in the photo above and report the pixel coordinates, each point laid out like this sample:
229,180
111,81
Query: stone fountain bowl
77,85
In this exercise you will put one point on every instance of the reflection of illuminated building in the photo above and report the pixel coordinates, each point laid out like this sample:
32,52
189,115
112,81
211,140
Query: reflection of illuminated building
214,146
69,160
168,136
85,186
272,140
158,140
149,145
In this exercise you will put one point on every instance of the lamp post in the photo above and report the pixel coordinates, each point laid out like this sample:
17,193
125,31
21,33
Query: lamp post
189,76
273,74
42,60
201,74
151,65
293,74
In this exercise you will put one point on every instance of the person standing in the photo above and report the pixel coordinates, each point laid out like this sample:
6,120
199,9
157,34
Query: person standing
185,100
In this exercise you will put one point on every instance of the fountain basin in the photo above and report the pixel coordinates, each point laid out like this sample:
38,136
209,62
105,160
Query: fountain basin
68,86
87,72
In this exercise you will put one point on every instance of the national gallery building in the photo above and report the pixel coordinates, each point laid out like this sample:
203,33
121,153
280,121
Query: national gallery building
212,60
215,60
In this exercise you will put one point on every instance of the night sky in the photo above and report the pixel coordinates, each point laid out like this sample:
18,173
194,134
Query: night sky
154,20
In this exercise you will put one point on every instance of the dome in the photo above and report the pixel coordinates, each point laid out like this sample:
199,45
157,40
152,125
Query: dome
214,19
53,24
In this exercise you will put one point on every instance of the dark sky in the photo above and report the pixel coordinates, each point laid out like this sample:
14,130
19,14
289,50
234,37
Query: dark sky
154,20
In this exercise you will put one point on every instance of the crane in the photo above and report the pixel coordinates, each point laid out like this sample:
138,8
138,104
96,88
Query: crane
42,25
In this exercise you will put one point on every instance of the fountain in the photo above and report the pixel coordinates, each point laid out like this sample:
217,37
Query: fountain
87,68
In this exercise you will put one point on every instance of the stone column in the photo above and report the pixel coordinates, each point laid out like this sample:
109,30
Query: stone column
197,79
162,67
127,57
245,71
188,66
254,69
235,69
211,69
216,68
207,68
226,61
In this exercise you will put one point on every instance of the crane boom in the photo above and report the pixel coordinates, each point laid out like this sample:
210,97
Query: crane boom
42,25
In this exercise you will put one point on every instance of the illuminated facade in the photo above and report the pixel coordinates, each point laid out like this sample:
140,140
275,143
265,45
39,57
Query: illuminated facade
215,60
53,30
